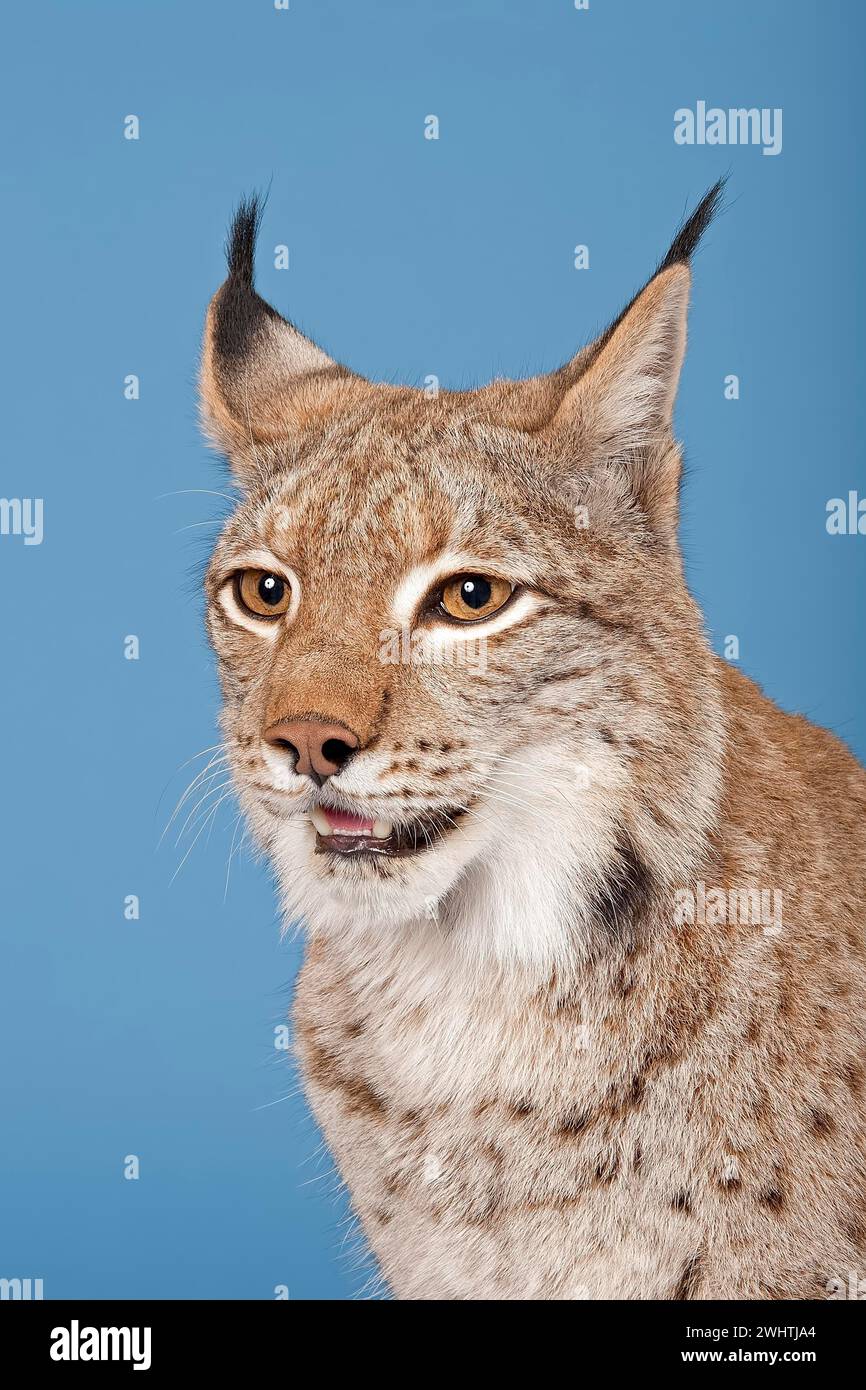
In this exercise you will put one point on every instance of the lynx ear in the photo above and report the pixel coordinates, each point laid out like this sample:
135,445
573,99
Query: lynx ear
619,404
260,378
624,400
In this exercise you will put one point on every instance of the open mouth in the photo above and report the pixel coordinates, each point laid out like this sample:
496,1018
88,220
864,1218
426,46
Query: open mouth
342,832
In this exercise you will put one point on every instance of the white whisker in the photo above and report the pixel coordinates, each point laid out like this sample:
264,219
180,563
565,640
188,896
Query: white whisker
197,783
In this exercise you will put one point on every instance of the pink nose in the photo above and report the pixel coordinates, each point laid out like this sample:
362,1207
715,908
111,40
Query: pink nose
319,749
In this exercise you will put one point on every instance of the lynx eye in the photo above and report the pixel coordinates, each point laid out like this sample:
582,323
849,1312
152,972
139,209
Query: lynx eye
261,593
469,597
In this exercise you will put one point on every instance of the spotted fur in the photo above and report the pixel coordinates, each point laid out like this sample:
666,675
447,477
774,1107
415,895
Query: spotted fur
536,1080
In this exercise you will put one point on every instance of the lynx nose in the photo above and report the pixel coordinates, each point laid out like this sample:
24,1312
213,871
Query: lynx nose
319,749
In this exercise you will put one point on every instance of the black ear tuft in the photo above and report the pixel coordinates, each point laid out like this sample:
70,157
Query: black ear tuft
691,231
238,311
241,243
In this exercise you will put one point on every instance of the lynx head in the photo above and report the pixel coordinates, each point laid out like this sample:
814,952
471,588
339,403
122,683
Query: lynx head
458,656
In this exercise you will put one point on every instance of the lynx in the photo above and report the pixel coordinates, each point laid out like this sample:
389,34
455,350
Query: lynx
538,1078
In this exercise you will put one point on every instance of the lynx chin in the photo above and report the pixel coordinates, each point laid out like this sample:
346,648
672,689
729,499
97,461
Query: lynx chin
536,1081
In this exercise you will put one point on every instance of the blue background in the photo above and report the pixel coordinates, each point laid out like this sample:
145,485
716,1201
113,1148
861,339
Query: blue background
408,257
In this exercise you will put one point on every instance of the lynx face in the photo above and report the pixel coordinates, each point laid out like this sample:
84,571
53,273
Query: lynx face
452,633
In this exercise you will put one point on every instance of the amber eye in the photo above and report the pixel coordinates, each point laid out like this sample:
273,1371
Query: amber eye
262,593
469,597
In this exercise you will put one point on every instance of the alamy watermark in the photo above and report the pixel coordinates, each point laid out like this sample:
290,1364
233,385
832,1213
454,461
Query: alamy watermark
21,1289
854,1286
22,516
729,907
77,1343
738,125
415,647
846,516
